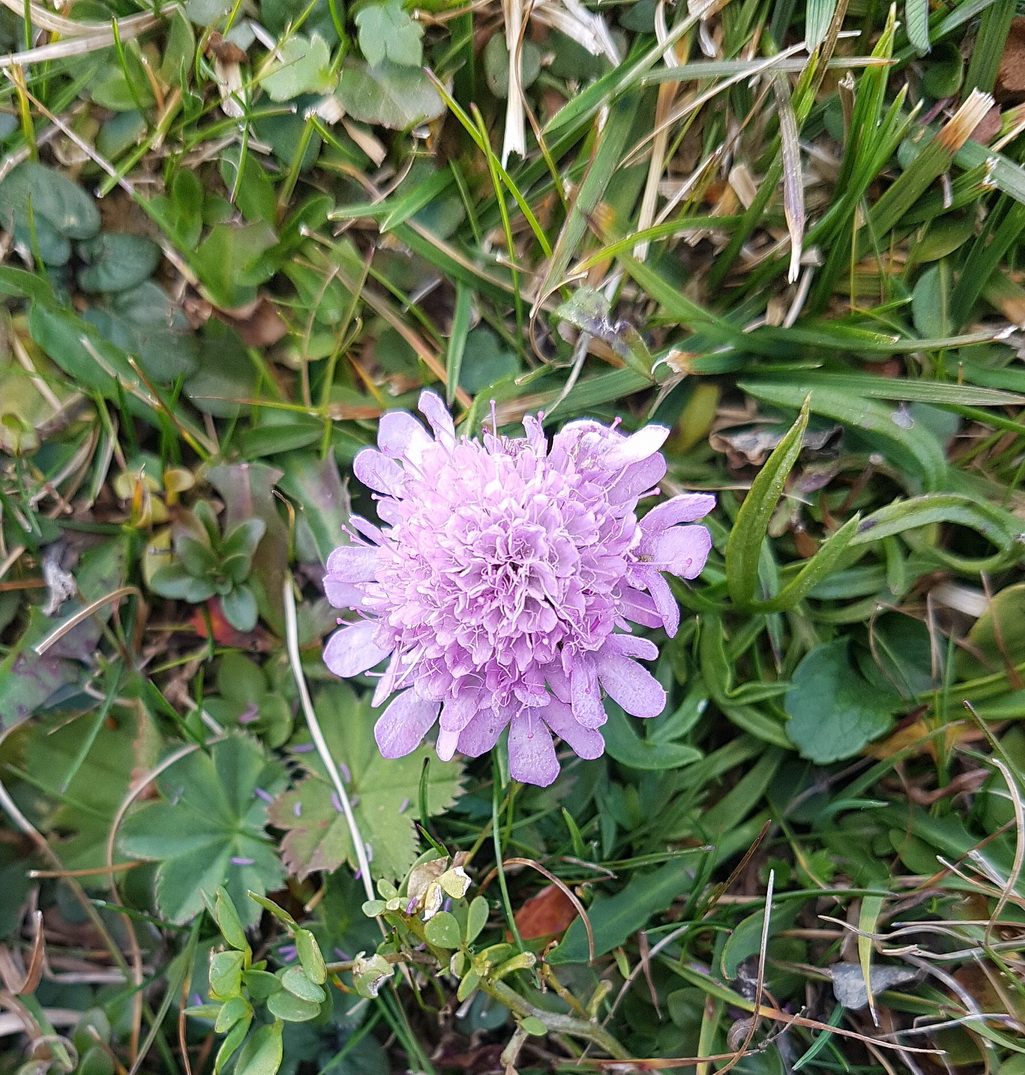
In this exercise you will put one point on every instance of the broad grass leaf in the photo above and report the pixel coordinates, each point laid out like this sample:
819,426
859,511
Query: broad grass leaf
997,638
834,711
614,918
916,17
388,95
322,503
383,793
209,830
818,15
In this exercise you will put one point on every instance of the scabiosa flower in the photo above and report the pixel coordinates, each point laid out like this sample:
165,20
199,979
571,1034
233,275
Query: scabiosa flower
503,582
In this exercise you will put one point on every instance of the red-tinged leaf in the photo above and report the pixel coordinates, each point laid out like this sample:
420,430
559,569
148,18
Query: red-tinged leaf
546,914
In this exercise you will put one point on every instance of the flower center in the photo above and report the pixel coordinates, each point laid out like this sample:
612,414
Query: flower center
494,567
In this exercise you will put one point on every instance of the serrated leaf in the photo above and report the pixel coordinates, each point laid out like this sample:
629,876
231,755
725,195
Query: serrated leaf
388,95
386,31
383,794
209,830
302,65
834,711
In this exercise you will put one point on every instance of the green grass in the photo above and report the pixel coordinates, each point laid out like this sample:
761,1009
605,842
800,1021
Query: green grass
234,236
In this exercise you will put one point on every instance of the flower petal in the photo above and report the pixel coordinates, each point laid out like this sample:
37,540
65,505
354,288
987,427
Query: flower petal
588,710
637,479
352,649
683,550
685,508
342,594
532,757
434,410
667,605
354,563
377,471
402,726
400,435
459,711
447,743
632,686
637,446
631,646
585,742
482,733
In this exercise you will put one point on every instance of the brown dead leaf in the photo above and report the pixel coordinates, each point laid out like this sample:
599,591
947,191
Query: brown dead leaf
1010,84
546,914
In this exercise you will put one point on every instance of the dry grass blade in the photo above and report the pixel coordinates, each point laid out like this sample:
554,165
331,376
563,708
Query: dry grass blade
515,140
85,38
793,180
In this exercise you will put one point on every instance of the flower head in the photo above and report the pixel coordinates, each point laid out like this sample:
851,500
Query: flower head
503,582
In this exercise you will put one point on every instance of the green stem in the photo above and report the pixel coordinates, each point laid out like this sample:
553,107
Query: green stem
555,1021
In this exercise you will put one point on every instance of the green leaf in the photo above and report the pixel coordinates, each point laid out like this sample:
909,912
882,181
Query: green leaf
231,262
295,981
236,1035
228,921
387,32
443,931
209,830
321,501
916,17
388,95
614,919
814,571
383,793
818,15
997,638
262,1053
225,974
301,65
912,449
116,262
834,711
31,193
648,745
310,957
930,302
745,541
248,493
476,918
231,1012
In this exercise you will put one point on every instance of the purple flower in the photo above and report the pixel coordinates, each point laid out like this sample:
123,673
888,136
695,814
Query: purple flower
502,585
